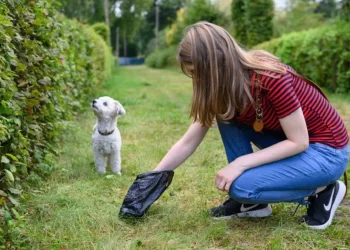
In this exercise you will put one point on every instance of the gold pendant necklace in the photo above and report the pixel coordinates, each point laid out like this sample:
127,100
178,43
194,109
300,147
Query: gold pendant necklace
258,124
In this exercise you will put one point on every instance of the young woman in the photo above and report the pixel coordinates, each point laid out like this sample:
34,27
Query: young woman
255,98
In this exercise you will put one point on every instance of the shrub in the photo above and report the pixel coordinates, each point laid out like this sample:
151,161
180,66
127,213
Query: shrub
101,56
321,54
49,67
103,30
162,58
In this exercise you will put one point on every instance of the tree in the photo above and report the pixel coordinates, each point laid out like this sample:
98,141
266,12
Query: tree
129,21
252,20
198,10
239,21
258,16
107,11
86,11
327,8
224,6
299,15
167,16
203,10
345,10
98,13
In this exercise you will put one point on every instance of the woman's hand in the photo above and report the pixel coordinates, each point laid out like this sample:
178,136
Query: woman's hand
227,175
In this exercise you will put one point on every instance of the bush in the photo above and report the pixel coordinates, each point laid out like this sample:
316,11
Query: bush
320,54
101,56
49,67
103,30
162,58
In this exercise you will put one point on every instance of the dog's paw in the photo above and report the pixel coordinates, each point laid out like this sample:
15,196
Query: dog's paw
115,171
101,171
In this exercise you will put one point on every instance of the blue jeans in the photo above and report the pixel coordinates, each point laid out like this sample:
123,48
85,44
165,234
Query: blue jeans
287,180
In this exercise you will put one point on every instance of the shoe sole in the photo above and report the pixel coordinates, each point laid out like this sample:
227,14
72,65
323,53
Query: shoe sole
265,212
337,201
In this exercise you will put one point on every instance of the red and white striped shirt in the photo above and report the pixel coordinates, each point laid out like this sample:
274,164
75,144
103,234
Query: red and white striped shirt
282,94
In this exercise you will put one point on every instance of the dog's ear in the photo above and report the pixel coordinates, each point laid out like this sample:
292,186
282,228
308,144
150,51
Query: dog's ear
120,108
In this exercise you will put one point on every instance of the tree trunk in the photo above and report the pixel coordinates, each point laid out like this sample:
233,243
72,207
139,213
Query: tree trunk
117,43
125,44
106,7
157,26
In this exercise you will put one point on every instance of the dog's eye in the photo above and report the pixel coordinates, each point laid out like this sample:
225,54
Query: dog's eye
105,103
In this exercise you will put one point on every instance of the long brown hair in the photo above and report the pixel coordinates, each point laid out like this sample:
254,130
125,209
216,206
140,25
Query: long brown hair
219,69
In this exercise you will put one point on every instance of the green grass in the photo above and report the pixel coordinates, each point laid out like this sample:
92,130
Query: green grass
78,209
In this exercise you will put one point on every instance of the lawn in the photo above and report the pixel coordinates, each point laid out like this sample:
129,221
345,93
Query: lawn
78,209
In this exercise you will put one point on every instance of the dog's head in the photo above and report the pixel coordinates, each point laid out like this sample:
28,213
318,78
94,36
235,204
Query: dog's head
107,108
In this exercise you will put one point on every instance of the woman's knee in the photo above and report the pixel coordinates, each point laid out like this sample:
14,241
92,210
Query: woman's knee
246,194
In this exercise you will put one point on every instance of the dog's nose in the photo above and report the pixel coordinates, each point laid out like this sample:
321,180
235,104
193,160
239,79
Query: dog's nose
94,101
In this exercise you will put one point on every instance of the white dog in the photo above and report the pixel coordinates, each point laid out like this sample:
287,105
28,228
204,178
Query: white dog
106,139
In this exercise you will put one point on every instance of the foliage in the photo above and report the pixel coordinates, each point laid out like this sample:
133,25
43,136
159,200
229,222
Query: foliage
239,21
320,54
49,67
162,44
203,10
252,21
101,56
345,10
128,20
162,58
174,33
131,16
167,16
259,15
327,8
103,30
87,11
198,10
225,6
298,15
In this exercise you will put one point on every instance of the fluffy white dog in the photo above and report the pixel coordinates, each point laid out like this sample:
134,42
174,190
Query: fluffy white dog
106,139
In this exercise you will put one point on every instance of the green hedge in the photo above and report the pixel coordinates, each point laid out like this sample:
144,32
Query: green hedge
49,67
162,58
103,30
103,50
321,54
102,55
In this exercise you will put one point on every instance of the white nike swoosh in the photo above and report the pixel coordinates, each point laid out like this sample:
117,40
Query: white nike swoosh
244,209
328,207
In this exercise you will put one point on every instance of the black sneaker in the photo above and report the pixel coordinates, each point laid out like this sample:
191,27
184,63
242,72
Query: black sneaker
322,206
231,208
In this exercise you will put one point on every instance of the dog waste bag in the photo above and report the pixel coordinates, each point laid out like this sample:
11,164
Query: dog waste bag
145,190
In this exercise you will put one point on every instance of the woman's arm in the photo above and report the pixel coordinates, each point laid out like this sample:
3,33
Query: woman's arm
183,148
295,129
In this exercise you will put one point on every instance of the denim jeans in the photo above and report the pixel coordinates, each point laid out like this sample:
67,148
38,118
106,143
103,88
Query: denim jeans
287,180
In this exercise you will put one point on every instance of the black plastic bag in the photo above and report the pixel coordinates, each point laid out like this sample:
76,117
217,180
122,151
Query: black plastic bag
145,190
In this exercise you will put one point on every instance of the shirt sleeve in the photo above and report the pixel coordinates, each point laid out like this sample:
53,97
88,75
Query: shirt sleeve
281,94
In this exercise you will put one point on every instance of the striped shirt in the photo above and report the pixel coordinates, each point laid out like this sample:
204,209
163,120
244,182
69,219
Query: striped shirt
282,94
